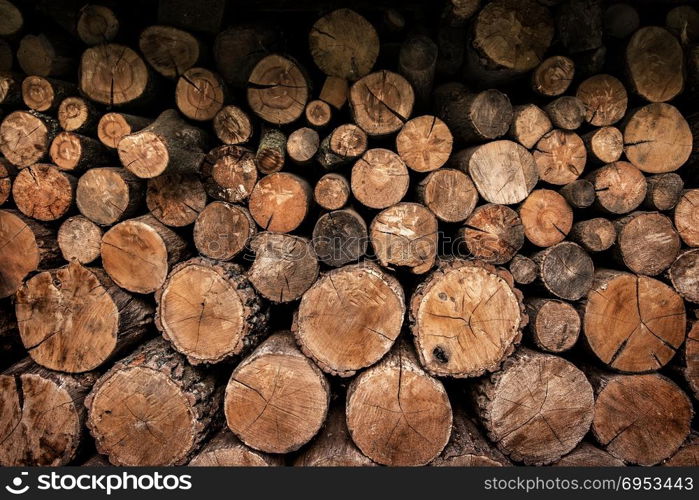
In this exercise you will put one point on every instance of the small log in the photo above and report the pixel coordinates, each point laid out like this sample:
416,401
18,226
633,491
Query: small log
109,194
43,415
553,76
280,202
379,178
79,240
226,450
417,62
449,194
239,48
604,98
588,455
381,102
12,19
683,22
152,408
523,269
664,191
78,115
318,113
594,235
75,153
640,419
554,325
579,25
255,410
566,112
229,173
621,20
604,145
176,200
334,91
344,144
633,323
232,125
10,89
7,176
43,192
493,233
529,124
97,24
340,237
199,94
560,157
654,63
350,318
277,90
45,94
686,217
390,428
546,216
25,137
271,151
170,51
113,127
424,143
683,275
476,117
45,54
222,230
687,455
285,266
579,193
565,270
647,242
143,236
332,191
457,300
620,187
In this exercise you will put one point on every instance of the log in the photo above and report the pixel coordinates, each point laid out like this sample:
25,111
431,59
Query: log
588,455
209,311
449,194
686,456
169,51
604,98
7,175
654,63
271,151
284,266
657,139
546,216
379,178
350,318
493,233
10,89
255,409
381,102
229,173
43,192
390,427
579,193
199,94
683,275
97,24
74,319
344,44
206,18
318,113
79,240
232,125
686,217
560,157
12,19
579,25
332,191
640,419
45,54
108,195
537,408
340,237
553,76
405,235
417,62
226,450
554,325
647,242
689,366
239,48
280,201
75,153
424,143
466,317
565,270
503,171
476,117
620,187
25,246
344,144
277,90
25,137
683,22
334,91
168,144
621,20
604,145
664,191
43,415
45,94
594,235
78,115
523,269
113,127
302,145
529,124
176,200
222,230
152,408
566,112
633,323
138,253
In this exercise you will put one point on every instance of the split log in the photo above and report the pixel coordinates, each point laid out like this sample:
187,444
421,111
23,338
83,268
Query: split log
284,267
466,317
12,19
318,113
45,54
553,76
493,233
78,115
25,137
271,151
176,200
276,388
537,408
604,145
25,246
229,173
396,413
43,415
97,24
79,240
344,144
640,419
476,117
350,318
280,202
109,194
113,127
45,94
379,178
152,408
664,191
529,124
579,25
302,145
594,235
222,230
232,125
417,62
7,175
138,253
566,112
43,192
449,194
621,20
424,143
604,98
332,191
277,90
687,217
170,51
199,94
684,273
206,18
620,187
554,325
546,216
579,193
687,455
239,48
344,44
381,102
340,237
654,63
74,319
588,455
209,311
565,270
633,323
75,153
647,242
523,269
560,157
334,91
226,450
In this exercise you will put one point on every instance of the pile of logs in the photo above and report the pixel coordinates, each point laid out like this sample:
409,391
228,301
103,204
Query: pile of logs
462,236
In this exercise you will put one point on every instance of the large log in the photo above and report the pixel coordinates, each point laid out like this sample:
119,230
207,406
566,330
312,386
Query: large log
340,237
654,63
565,270
424,143
493,233
379,178
647,242
277,90
280,202
546,216
25,137
381,102
43,192
560,157
620,187
170,51
449,194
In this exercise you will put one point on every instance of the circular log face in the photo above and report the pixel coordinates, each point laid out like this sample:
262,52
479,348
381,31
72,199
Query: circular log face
66,150
176,199
42,192
222,230
112,74
19,252
67,320
381,102
102,195
648,243
331,191
379,178
232,125
79,239
97,24
605,100
277,90
620,187
348,141
12,19
655,64
493,233
40,424
606,144
23,138
687,217
465,320
641,419
424,143
686,456
279,202
450,194
144,154
344,44
547,217
199,94
556,326
73,113
691,357
170,51
634,323
37,93
350,318
560,157
684,274
154,411
112,128
230,173
135,257
553,76
566,270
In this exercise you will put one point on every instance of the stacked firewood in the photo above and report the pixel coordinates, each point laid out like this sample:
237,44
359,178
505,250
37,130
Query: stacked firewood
244,236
